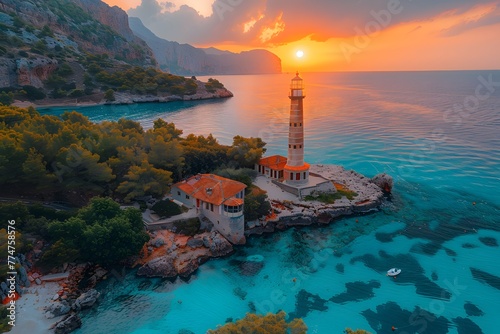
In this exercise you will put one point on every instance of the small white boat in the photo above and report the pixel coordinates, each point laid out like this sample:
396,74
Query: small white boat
393,272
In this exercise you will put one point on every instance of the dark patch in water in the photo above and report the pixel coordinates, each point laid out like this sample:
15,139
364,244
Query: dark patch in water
251,306
251,268
298,250
468,245
144,285
240,293
356,291
383,237
467,326
484,277
419,321
434,276
412,272
340,268
489,241
430,248
450,252
472,310
185,331
306,302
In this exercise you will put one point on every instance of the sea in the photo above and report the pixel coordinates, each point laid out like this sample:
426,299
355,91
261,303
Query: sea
436,133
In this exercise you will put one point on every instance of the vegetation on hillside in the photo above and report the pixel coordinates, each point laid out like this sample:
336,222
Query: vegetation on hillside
89,57
71,159
101,233
265,324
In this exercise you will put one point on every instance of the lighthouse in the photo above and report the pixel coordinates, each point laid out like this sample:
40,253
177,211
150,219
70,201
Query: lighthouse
296,171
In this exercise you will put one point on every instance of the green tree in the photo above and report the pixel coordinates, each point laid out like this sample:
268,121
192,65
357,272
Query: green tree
109,95
246,152
100,233
6,98
256,204
145,180
265,324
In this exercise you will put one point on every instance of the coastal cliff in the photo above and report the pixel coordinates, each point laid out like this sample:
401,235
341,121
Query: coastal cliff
185,59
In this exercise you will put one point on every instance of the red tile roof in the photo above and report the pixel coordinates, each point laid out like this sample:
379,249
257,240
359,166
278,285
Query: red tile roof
210,188
274,162
233,201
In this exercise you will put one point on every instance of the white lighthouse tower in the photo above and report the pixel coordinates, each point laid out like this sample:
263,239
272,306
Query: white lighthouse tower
296,171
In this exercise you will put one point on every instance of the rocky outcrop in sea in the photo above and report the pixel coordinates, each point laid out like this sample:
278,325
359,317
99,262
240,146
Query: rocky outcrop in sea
169,255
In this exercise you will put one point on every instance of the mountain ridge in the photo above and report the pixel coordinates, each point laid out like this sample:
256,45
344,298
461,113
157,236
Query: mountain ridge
185,59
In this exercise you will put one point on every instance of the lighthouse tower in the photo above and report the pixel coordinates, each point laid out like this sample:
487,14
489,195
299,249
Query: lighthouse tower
296,171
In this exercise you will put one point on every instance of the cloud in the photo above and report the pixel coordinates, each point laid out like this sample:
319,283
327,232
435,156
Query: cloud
486,17
275,22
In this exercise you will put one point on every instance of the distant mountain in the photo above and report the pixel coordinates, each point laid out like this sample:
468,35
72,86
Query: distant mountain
185,59
83,51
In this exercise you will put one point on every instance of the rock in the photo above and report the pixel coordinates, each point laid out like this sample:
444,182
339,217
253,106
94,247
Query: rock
100,273
86,300
38,281
384,182
217,244
68,324
195,242
34,71
158,242
163,266
57,309
56,297
23,277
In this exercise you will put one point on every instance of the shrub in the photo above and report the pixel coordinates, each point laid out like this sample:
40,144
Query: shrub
166,209
187,227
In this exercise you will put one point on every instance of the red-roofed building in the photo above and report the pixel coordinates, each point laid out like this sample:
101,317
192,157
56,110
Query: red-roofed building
219,199
272,166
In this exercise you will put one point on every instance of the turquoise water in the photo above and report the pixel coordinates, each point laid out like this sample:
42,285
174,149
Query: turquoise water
441,226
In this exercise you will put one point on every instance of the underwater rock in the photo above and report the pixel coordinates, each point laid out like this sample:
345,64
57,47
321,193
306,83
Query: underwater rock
356,291
467,326
489,241
472,310
306,302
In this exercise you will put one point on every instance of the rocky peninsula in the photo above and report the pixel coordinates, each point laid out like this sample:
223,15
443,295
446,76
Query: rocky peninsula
169,254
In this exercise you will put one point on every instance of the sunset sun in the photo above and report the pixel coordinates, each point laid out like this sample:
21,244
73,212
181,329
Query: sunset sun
299,54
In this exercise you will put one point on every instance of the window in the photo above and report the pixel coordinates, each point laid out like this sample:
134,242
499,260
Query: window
233,209
206,206
290,124
300,146
178,193
211,207
187,196
294,146
304,175
289,146
291,176
300,124
295,124
298,176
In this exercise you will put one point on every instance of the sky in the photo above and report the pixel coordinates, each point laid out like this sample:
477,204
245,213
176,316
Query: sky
336,35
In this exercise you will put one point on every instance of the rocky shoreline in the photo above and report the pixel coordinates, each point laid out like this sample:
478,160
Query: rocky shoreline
124,99
370,194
